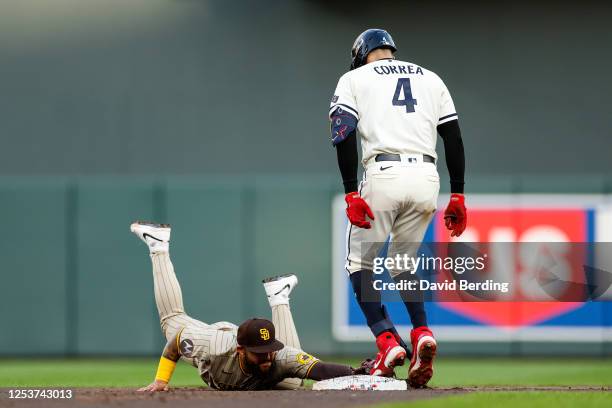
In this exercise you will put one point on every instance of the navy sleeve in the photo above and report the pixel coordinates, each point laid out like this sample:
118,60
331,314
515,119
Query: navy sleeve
348,160
454,152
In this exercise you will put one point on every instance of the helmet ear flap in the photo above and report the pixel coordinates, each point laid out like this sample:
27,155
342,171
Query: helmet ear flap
360,58
356,51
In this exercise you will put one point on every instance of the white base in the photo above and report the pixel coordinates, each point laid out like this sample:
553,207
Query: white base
361,383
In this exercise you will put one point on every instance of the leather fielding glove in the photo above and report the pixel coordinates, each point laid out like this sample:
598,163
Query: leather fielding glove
455,215
357,209
365,368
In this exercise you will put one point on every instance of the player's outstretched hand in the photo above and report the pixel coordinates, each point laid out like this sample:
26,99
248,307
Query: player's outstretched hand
357,209
155,386
365,368
455,216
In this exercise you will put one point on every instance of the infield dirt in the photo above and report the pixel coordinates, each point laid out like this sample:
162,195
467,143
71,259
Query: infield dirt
198,397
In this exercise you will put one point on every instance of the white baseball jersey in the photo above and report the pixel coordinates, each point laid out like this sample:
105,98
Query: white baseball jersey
398,104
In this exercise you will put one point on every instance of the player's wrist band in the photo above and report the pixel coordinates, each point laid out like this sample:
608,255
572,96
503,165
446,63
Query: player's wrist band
165,369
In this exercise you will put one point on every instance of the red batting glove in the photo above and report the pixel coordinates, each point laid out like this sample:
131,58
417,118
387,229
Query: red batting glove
455,216
356,210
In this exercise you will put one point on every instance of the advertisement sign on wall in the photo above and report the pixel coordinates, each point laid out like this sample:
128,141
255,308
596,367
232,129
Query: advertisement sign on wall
519,219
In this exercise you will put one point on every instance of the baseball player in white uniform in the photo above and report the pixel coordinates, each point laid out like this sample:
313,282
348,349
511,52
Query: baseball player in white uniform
229,357
397,108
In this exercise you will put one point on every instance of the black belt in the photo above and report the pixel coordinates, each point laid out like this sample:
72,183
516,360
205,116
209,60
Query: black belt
396,157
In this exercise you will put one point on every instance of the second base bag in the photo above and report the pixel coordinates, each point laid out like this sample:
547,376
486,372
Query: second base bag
361,382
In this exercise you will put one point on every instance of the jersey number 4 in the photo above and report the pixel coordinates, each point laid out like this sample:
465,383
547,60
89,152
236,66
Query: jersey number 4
403,84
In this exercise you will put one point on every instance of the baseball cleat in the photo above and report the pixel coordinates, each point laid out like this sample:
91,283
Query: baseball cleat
424,349
156,236
390,355
278,288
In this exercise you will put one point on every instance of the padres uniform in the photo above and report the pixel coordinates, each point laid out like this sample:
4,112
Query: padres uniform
211,348
398,106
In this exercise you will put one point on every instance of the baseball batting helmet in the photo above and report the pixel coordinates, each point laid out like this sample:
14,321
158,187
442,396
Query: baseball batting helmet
367,42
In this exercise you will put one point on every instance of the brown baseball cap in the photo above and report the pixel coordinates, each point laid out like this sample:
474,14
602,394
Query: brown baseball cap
258,336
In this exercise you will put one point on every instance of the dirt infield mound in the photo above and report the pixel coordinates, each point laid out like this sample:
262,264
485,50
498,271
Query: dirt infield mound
198,397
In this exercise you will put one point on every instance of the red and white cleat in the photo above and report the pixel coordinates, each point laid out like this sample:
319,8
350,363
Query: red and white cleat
390,355
424,348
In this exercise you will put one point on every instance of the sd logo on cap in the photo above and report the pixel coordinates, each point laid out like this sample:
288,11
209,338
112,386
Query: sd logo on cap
258,336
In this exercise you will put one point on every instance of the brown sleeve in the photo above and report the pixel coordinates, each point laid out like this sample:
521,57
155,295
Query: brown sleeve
323,371
172,351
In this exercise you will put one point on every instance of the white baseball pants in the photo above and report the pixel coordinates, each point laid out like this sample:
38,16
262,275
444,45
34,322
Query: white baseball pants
403,197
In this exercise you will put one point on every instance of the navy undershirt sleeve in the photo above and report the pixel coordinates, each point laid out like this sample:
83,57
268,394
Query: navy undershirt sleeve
348,161
454,152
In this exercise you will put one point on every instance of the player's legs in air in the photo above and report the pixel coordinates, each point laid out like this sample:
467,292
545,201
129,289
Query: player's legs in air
407,233
278,289
168,295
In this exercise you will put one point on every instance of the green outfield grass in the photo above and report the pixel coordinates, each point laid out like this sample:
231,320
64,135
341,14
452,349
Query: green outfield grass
523,372
98,372
530,399
449,372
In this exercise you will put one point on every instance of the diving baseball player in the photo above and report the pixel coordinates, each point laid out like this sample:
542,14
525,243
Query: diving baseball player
396,107
229,357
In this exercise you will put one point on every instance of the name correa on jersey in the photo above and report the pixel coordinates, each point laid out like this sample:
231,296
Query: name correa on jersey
398,106
398,69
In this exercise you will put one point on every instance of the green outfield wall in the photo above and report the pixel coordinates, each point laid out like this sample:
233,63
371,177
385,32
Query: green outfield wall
75,281
241,86
212,115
